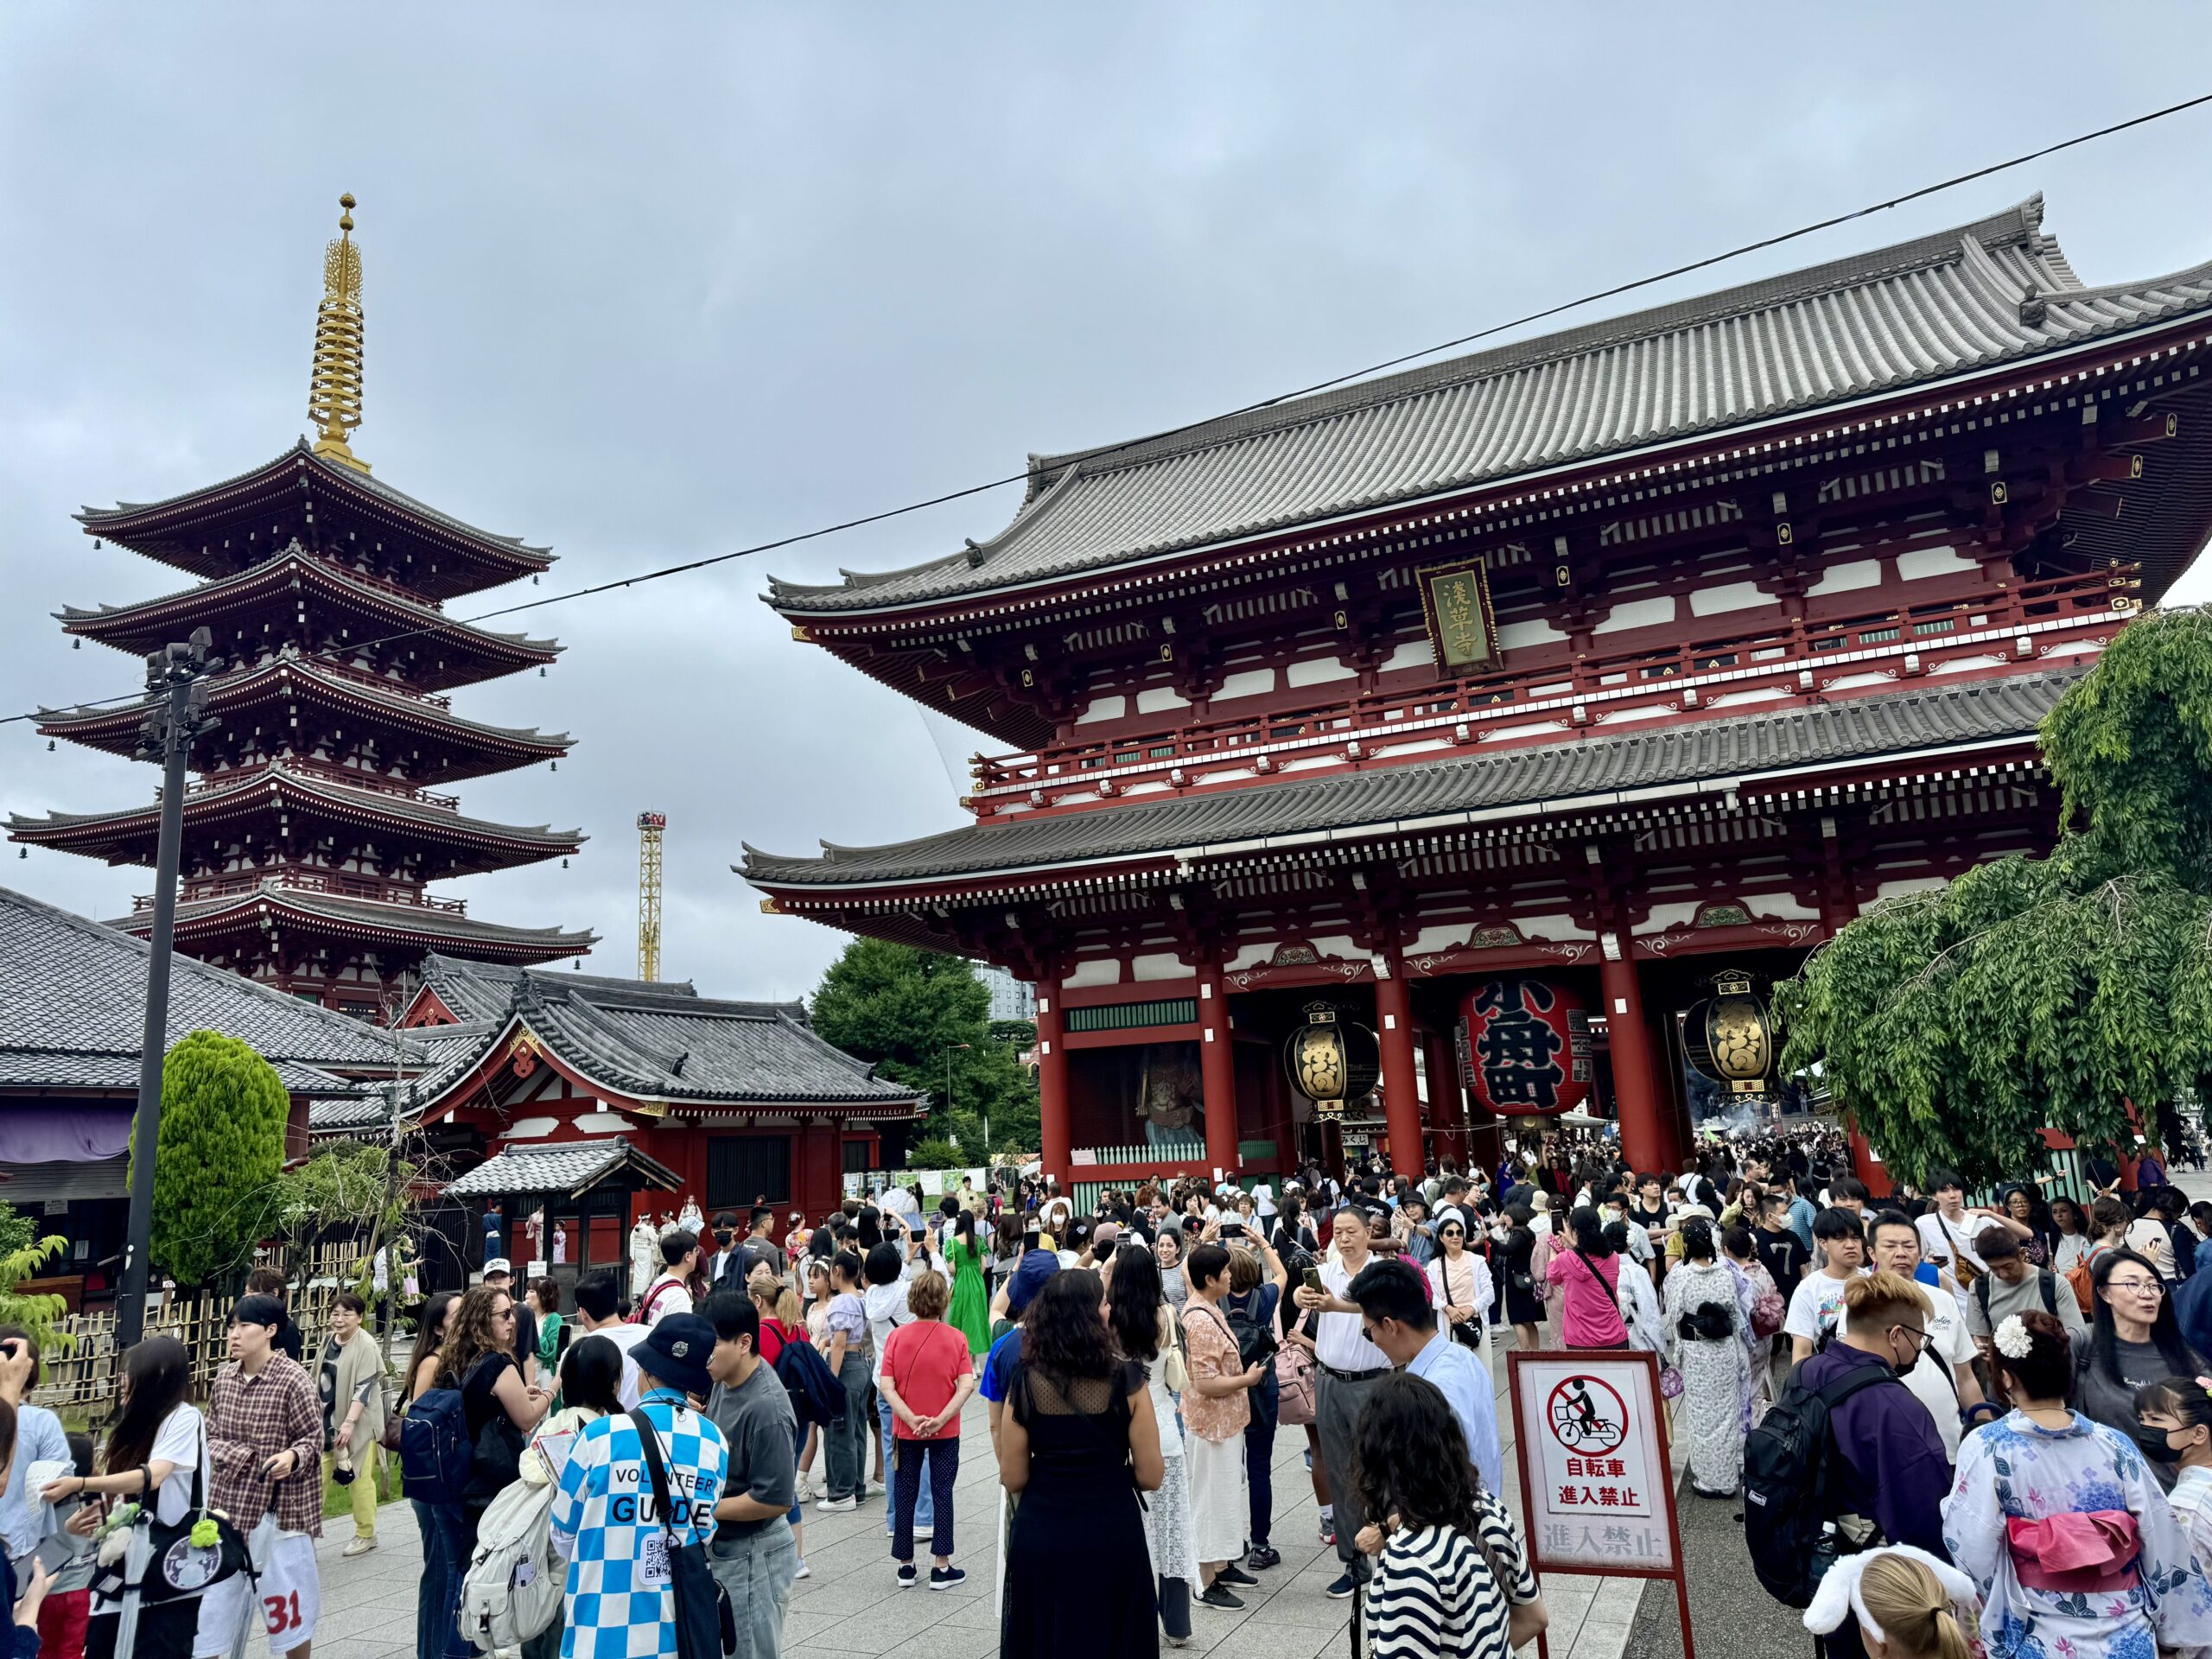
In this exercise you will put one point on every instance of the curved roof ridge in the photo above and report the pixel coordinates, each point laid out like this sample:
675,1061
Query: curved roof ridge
313,563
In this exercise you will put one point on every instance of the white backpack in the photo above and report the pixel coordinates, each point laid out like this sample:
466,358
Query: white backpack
512,1588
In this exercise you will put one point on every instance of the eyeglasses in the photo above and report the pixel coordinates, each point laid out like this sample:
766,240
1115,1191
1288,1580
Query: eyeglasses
2140,1287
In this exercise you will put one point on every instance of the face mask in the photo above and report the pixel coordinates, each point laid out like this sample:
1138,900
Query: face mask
2154,1443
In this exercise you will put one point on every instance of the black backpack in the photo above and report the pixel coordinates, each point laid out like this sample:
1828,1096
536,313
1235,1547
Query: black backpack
1255,1338
1786,1461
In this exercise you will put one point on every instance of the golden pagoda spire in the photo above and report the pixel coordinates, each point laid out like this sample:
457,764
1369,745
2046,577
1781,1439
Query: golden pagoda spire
335,383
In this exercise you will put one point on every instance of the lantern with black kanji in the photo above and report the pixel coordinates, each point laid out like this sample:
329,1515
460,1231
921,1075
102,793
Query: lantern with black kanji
1524,1047
1727,1036
1331,1060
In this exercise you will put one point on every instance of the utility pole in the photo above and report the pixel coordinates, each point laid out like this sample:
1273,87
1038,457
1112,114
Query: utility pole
176,713
948,1097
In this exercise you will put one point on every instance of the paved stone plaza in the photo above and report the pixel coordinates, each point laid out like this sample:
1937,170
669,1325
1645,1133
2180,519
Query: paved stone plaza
852,1605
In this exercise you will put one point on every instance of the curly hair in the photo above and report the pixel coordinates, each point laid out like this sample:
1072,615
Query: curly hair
473,1332
1062,1333
1409,1455
1132,1303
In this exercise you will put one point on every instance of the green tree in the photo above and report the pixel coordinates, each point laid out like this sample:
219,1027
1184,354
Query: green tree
222,1144
22,1257
911,1012
2036,992
17,1231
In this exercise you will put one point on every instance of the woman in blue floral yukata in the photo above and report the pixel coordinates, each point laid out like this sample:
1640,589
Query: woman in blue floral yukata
2062,1527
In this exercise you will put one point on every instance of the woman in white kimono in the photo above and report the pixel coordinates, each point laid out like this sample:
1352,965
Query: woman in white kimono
2062,1526
1703,1319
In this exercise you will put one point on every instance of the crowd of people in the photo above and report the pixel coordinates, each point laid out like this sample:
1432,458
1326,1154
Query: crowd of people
2017,1450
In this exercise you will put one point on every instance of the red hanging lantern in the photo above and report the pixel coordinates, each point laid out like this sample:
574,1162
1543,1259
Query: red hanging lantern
1525,1048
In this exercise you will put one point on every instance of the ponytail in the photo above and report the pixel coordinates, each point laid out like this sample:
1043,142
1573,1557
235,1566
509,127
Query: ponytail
1913,1609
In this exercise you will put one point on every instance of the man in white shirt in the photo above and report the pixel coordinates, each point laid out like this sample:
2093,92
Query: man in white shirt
1816,1305
1947,1232
1347,1366
599,1314
1943,1378
671,1292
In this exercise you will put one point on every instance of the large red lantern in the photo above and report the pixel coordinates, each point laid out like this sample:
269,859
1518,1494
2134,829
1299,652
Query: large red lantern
1524,1047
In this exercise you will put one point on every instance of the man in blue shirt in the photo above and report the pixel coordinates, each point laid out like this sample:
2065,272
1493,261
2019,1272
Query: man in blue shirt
1802,1216
1396,1317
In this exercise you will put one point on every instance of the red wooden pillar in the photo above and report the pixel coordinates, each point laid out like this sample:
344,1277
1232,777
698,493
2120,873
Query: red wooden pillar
1445,1117
1394,1019
1055,1135
1217,1070
1647,1129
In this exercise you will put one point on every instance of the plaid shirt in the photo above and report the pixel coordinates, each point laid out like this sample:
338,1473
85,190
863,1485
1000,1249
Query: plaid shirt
250,1420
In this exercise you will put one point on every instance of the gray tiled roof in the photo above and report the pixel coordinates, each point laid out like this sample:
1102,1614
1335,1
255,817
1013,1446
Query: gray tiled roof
448,1050
666,1042
1920,311
1556,775
73,1001
118,1074
566,1167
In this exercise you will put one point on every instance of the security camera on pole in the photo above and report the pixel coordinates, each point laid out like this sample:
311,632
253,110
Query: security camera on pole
176,713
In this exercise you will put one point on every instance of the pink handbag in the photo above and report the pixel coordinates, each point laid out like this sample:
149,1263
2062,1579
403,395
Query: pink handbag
1294,1385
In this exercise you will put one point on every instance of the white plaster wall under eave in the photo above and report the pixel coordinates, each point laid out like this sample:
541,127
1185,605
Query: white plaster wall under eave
531,1128
603,1123
1103,709
1848,577
1518,636
1252,955
1637,614
1159,964
1414,653
1106,972
1249,682
1903,885
1728,596
1154,698
1780,907
1318,671
1918,562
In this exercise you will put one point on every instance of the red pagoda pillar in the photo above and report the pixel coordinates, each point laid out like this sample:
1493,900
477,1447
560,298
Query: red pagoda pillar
1217,1072
1445,1116
1054,1134
1647,1132
1394,1019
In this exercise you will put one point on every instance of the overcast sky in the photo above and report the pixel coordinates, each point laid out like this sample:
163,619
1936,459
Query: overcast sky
650,283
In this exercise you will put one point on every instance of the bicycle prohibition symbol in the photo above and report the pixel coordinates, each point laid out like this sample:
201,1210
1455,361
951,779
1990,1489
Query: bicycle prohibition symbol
1587,1416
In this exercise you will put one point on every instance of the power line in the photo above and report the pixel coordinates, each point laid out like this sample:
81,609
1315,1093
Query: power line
1545,313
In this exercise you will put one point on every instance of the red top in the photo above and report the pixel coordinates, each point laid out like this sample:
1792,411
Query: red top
773,1335
925,1360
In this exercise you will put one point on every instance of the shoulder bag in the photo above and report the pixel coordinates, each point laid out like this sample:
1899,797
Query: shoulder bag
1468,1333
705,1627
183,1557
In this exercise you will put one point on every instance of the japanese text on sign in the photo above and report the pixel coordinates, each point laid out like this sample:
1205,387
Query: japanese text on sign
1594,1463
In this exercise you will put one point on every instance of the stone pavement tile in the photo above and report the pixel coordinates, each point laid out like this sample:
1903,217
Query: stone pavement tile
353,1647
979,1612
872,1633
946,1643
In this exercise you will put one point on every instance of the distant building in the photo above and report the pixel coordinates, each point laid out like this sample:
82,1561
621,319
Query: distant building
1011,998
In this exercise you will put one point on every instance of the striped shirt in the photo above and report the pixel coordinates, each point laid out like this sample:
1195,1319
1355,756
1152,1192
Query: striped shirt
1433,1597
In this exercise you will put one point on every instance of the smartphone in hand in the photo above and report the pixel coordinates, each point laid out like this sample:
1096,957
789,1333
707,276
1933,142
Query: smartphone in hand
1312,1279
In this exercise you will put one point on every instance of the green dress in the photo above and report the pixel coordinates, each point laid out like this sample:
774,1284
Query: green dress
970,1313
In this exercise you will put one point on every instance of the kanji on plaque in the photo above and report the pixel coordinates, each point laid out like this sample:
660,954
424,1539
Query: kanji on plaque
1526,1047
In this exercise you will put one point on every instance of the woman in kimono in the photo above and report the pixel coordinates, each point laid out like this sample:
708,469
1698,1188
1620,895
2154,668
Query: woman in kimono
2062,1526
1703,1319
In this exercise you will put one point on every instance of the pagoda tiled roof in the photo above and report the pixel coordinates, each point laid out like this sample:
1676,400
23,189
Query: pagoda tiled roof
255,789
655,1041
147,623
371,918
147,526
1584,773
72,1004
116,727
570,1167
1937,307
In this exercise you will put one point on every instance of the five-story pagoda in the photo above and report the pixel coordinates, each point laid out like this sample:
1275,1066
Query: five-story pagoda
312,832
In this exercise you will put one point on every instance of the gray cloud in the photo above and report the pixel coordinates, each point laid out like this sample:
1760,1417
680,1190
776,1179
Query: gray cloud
716,273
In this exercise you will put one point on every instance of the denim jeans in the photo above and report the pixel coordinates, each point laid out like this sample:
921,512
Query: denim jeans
437,1593
923,1511
1259,1458
755,1572
845,1443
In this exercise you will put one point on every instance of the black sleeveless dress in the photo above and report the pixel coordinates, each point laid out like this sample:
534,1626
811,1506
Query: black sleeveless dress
1079,1578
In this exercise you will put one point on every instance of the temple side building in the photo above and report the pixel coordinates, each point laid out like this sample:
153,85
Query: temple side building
316,824
1535,709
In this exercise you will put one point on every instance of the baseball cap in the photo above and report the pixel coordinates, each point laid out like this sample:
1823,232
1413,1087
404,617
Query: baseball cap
675,1351
1028,1278
498,1264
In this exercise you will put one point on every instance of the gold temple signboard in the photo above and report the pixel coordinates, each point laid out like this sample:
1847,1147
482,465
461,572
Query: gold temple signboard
1455,598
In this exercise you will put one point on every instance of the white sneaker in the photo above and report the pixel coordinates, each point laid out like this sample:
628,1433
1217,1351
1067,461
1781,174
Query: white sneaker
359,1547
804,1570
837,1505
